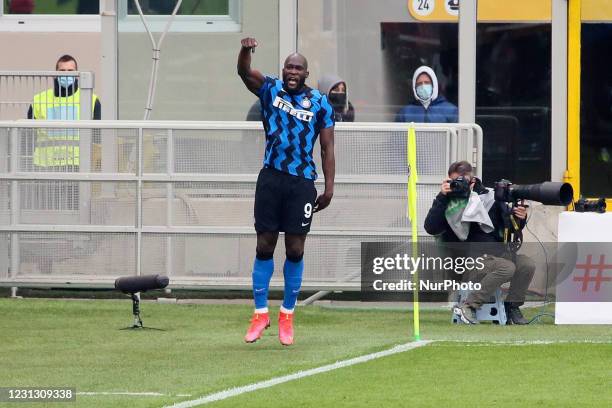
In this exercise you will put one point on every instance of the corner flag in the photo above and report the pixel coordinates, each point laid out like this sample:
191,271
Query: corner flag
411,213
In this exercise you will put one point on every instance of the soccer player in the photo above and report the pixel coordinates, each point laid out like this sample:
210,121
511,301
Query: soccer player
293,115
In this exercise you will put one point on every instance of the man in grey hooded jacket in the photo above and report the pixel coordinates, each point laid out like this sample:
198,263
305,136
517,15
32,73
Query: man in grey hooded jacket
335,88
432,107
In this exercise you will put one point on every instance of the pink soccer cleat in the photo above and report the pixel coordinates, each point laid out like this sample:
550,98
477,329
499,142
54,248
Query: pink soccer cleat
259,323
285,328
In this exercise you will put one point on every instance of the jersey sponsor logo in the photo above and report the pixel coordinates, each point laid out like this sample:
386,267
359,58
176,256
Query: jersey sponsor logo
285,106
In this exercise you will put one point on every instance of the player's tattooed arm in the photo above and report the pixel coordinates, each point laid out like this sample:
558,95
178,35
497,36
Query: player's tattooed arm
329,168
252,78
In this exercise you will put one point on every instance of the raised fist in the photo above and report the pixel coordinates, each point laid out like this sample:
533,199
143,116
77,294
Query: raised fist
248,43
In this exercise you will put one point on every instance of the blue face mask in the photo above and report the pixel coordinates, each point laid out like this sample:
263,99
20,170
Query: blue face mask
424,91
65,81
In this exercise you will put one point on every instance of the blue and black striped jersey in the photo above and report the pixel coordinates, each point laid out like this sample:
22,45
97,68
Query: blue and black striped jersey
292,123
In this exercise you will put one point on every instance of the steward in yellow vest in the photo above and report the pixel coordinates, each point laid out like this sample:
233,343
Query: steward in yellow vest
59,147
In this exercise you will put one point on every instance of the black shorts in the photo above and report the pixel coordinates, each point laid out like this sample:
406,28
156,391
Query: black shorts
283,202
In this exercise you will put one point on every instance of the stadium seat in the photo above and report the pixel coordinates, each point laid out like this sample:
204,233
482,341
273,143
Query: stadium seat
493,310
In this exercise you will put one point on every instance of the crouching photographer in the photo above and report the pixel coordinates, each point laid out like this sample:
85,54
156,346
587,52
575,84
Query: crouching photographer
466,211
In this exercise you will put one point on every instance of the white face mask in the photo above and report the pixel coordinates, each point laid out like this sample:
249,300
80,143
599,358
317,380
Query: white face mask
65,81
424,91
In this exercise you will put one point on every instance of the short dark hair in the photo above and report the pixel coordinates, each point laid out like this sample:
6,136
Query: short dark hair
461,167
66,58
303,58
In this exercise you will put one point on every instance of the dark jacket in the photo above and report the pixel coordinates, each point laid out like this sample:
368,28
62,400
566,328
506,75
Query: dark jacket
436,224
254,114
439,111
488,243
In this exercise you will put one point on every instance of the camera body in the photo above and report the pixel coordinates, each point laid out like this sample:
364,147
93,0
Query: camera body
503,191
583,205
460,187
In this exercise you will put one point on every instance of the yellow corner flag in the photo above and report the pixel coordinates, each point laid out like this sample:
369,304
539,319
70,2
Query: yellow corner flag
413,178
411,213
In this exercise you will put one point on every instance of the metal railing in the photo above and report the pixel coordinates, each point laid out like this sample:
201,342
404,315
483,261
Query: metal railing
17,89
176,198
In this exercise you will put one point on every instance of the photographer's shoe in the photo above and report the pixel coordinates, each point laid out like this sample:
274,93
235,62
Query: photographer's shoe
259,323
515,316
466,313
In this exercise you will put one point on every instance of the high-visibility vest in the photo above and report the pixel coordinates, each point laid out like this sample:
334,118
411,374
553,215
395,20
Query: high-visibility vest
57,147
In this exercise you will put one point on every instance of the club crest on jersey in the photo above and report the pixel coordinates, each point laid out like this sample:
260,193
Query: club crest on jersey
285,106
306,104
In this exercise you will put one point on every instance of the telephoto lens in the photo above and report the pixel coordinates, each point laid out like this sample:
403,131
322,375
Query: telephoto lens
548,193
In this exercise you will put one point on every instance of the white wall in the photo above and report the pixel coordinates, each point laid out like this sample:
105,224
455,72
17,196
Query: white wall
39,51
197,76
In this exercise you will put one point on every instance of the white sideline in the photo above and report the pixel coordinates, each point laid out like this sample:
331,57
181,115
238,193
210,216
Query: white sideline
232,392
397,349
474,342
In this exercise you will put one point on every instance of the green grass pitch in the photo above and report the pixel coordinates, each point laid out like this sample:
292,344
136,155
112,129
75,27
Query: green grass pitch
78,344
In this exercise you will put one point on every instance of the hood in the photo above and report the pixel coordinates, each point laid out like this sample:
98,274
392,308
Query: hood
327,82
434,83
